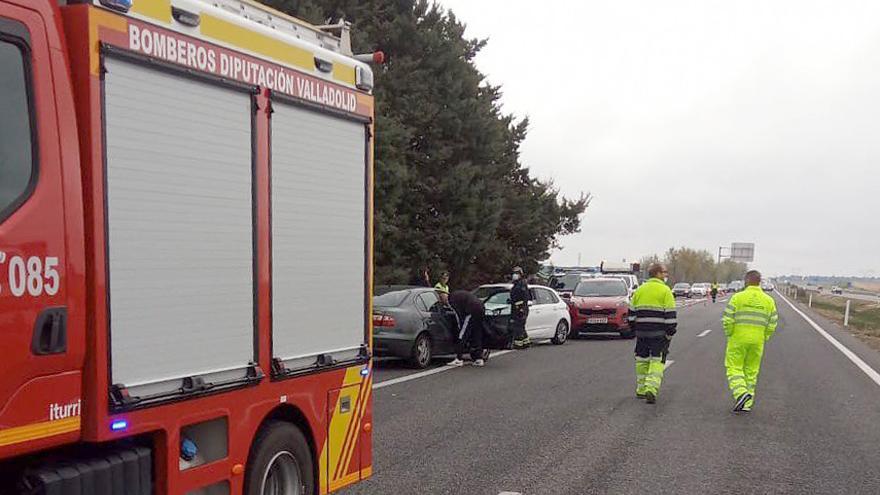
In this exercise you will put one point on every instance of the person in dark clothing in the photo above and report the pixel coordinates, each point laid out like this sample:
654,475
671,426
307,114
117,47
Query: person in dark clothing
421,278
519,309
469,312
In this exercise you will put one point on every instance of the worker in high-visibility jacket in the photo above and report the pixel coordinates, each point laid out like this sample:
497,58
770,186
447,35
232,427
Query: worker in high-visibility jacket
749,321
652,316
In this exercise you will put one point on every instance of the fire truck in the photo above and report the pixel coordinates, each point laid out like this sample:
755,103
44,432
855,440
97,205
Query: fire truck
185,249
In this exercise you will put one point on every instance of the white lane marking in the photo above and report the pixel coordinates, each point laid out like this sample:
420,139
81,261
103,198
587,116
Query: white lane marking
704,333
423,374
668,364
872,374
510,493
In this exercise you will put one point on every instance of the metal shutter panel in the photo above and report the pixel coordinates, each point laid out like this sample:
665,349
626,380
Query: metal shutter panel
180,228
318,234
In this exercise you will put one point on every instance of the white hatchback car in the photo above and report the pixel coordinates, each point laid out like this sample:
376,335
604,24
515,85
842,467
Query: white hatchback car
700,290
548,319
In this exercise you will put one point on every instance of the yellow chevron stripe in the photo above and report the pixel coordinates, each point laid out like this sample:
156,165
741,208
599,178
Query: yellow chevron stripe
36,431
353,431
339,428
342,482
358,421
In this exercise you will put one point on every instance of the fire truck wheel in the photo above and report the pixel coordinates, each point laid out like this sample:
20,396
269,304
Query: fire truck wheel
280,462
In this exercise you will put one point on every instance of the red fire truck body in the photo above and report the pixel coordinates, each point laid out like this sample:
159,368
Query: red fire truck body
185,249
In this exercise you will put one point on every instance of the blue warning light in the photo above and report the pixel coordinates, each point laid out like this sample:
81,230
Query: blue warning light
119,425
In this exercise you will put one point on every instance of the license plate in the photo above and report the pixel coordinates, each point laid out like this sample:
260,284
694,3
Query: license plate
597,320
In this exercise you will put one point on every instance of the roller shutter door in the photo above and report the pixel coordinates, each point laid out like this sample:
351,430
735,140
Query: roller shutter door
318,235
180,227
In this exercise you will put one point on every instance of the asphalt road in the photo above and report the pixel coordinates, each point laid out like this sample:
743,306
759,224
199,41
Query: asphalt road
564,420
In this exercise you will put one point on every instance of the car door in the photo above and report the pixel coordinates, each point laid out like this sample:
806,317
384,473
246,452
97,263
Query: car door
435,320
42,316
557,310
537,323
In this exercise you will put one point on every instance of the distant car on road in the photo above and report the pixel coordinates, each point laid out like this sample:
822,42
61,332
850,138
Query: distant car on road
736,286
722,288
767,286
631,281
700,290
548,318
600,305
411,323
681,289
836,290
565,284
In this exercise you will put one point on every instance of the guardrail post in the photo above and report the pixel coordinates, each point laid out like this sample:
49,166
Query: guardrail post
810,304
846,315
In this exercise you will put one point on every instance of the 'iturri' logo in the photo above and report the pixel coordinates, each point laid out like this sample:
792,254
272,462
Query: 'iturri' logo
62,411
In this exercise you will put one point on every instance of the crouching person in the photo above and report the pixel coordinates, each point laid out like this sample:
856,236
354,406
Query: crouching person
469,312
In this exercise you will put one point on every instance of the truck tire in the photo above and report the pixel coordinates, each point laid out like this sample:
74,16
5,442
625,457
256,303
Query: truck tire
280,462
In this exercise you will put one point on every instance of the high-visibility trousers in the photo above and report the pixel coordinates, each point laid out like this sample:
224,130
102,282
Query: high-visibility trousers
649,364
743,362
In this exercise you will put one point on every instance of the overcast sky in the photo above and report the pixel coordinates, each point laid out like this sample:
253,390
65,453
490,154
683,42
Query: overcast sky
700,123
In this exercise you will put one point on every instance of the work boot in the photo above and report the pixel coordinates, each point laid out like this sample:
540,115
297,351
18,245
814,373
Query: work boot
650,397
741,402
456,362
479,363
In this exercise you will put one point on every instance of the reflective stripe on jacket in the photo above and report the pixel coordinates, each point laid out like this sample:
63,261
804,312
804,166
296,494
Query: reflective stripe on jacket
652,311
750,315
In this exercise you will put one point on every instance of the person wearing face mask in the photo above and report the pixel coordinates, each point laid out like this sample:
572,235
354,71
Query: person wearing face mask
652,316
519,309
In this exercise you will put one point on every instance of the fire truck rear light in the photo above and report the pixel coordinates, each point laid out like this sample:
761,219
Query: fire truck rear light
118,5
119,425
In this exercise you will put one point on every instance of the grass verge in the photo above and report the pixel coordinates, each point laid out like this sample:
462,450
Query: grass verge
864,316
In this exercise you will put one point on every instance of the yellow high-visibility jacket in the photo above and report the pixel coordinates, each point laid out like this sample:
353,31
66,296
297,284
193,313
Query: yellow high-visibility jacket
750,316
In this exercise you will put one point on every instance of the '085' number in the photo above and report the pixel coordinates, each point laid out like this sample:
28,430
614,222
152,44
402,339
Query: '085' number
34,275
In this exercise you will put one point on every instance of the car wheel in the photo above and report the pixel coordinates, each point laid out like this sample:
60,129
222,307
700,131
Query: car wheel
561,333
421,352
280,462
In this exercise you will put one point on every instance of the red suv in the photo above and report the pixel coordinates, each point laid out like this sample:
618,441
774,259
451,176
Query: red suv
600,305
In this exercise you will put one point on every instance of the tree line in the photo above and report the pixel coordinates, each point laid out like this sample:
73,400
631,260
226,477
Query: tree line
696,265
450,190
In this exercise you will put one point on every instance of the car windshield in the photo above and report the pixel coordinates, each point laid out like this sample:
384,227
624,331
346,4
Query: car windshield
600,288
681,286
390,299
499,298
